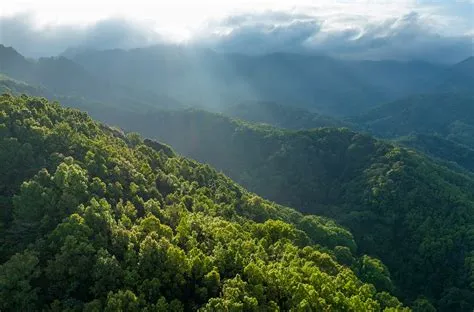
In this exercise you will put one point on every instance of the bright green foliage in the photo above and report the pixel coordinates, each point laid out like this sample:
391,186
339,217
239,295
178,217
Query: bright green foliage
414,214
97,221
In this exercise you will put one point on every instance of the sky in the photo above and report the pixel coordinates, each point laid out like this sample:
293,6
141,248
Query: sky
436,30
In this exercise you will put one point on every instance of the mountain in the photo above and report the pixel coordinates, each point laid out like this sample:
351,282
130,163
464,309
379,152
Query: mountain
12,86
63,77
449,149
412,212
398,79
94,219
138,79
450,115
281,116
318,83
455,154
458,78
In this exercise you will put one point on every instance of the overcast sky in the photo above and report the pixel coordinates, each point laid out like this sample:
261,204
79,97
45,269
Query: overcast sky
432,30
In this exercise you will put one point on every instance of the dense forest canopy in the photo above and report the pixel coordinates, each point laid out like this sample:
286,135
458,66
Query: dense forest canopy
410,211
94,219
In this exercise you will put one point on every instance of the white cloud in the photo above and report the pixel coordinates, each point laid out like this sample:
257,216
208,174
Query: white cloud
357,28
185,15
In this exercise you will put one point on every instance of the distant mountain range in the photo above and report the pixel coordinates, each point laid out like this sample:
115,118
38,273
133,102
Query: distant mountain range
63,77
317,83
171,76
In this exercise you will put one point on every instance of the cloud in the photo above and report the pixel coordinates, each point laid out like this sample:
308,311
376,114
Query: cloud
407,37
354,30
263,33
21,32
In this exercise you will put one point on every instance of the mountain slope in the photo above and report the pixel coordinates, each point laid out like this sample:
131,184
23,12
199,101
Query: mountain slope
414,214
15,87
450,115
454,154
93,220
398,79
458,78
281,116
457,155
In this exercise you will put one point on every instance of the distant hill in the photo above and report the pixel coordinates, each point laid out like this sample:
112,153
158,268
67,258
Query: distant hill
63,77
455,154
283,116
16,87
173,76
458,78
450,115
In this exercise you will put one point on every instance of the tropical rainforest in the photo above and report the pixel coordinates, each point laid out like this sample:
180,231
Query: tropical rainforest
375,160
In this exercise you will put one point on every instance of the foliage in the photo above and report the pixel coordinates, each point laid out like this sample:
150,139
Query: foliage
416,215
95,220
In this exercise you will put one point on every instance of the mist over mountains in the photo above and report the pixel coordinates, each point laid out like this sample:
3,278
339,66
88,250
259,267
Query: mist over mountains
202,77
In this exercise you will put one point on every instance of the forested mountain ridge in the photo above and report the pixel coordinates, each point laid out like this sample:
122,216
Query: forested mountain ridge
413,213
439,125
453,154
281,116
12,86
93,219
450,115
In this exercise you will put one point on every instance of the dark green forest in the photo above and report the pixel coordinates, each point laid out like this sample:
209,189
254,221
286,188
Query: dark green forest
412,212
94,219
282,116
450,115
453,154
439,125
